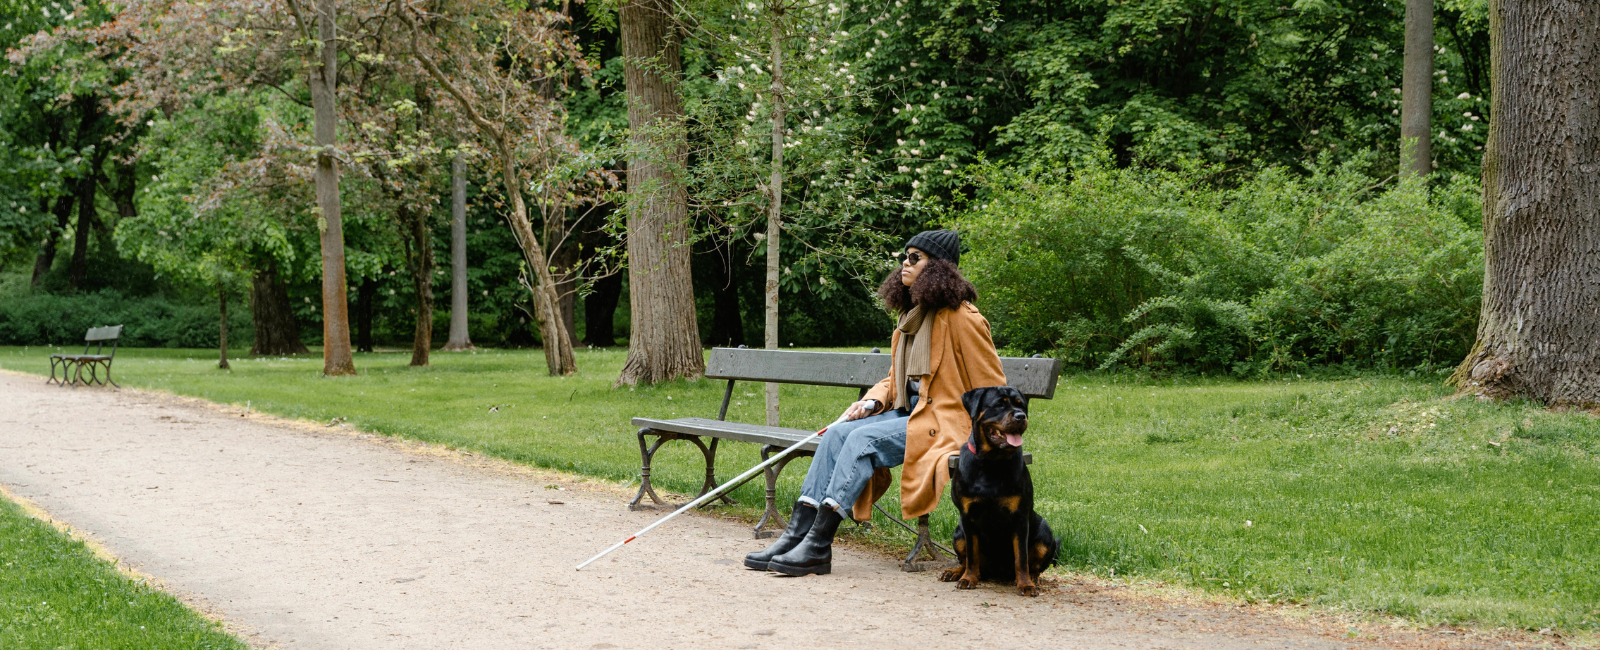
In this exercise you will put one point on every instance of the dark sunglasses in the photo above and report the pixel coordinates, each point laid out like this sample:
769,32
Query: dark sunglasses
914,259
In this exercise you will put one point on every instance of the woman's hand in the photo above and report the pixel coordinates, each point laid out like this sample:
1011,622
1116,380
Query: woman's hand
861,409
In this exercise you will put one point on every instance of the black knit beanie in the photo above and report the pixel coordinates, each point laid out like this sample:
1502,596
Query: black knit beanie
943,244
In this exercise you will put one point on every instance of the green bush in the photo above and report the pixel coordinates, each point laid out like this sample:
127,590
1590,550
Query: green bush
148,321
1165,269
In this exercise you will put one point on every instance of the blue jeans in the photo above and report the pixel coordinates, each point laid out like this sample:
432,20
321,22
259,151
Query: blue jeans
848,454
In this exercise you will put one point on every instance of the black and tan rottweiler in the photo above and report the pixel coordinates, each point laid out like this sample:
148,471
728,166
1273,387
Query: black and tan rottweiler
1000,537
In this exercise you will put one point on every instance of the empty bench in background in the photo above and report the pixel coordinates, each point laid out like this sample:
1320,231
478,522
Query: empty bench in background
72,365
1035,377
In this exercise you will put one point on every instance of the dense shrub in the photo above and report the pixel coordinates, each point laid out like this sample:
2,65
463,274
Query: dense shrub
148,321
1165,268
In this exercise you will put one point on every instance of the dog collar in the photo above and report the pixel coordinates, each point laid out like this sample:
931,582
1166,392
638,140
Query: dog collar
971,448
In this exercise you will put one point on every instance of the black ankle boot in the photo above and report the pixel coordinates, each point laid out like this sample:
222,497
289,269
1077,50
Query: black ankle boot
814,554
799,524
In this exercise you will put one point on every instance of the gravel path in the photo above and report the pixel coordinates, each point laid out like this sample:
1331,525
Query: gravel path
302,536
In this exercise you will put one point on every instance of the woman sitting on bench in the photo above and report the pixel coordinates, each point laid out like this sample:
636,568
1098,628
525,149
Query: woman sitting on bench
941,349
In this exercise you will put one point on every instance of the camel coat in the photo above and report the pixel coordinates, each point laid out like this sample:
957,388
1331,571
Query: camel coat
963,358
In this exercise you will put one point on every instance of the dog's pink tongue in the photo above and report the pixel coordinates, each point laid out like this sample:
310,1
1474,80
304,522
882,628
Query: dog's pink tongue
1014,439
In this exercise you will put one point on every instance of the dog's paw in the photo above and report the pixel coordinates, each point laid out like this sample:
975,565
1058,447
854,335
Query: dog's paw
1027,590
951,575
966,583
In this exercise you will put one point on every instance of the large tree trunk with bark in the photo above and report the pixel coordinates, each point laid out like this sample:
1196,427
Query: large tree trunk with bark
459,337
1539,329
336,356
276,330
1416,94
47,254
665,339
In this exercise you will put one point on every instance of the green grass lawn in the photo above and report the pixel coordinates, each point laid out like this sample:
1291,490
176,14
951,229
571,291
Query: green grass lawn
55,594
1373,494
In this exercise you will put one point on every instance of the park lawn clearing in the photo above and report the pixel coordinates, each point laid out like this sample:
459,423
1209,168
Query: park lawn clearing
1370,494
56,593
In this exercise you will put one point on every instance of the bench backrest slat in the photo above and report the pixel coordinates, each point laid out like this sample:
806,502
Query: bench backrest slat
1035,377
103,333
793,367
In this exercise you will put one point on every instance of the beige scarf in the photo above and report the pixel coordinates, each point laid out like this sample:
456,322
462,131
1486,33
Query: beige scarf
914,356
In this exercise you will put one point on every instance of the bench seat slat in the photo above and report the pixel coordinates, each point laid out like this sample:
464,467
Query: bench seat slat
756,433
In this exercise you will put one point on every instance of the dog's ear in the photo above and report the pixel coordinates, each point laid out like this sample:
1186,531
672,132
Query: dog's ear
973,400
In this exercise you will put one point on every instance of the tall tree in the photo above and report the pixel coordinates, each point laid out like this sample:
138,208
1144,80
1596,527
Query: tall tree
1416,98
272,315
323,78
1541,289
459,337
493,81
665,341
774,233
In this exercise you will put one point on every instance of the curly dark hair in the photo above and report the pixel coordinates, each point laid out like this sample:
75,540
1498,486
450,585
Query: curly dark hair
939,286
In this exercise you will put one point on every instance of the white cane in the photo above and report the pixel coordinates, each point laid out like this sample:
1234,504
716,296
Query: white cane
714,493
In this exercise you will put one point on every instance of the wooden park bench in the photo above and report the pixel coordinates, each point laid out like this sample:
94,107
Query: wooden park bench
72,365
1035,377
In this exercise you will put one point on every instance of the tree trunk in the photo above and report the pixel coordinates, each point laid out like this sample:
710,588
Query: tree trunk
276,330
222,333
564,259
1416,98
88,186
459,339
421,262
47,254
775,205
600,312
1540,319
558,356
727,319
364,296
336,358
665,340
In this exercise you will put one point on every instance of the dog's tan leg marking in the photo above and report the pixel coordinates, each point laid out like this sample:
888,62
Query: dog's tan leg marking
970,562
1040,555
1024,572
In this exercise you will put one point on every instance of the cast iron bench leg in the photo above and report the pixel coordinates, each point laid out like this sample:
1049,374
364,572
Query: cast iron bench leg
53,362
711,467
648,453
108,375
925,543
772,515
